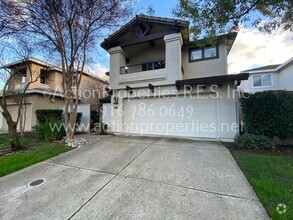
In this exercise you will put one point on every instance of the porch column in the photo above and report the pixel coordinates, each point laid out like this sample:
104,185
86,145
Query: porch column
117,60
173,56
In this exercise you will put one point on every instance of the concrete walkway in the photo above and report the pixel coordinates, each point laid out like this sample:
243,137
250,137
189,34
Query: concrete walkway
133,178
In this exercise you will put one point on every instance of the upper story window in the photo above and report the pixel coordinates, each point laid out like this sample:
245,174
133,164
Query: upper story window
205,53
264,80
210,52
43,79
43,74
155,65
196,54
74,80
23,77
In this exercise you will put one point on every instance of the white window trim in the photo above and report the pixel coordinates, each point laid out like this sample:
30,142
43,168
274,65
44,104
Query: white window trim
260,87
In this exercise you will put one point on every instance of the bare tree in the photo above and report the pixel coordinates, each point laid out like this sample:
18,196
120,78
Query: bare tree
70,28
10,78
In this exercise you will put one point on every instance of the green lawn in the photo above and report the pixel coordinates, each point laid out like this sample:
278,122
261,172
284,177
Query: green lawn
4,141
37,151
272,179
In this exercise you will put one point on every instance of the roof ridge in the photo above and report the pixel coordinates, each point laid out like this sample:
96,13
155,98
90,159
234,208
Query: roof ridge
161,17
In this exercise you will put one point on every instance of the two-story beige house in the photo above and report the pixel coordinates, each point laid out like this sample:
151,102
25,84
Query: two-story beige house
164,84
46,91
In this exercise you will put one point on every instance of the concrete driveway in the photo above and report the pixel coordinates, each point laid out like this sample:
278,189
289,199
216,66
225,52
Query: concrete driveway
133,178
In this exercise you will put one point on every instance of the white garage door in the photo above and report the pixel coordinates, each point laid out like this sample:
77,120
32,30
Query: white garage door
176,116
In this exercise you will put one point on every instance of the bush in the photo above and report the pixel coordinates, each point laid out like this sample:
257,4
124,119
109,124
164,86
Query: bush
268,113
101,127
78,119
51,130
94,118
252,141
44,115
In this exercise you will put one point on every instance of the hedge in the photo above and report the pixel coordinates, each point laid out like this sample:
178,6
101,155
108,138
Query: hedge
268,113
252,141
44,115
78,119
95,116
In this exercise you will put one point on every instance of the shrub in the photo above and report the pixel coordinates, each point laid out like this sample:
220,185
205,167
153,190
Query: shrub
78,119
51,130
94,118
101,127
268,113
44,115
252,141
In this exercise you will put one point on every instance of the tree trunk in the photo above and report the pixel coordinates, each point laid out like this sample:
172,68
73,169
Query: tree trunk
12,131
71,124
13,137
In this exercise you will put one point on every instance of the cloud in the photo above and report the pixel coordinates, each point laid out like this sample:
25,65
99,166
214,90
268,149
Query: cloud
253,49
97,69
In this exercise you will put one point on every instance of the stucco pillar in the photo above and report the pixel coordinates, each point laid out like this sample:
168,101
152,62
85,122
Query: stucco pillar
173,44
117,60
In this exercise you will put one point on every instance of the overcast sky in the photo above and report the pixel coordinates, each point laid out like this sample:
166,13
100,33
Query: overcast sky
253,49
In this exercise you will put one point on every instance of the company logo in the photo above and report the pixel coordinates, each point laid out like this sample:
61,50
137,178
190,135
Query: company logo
281,208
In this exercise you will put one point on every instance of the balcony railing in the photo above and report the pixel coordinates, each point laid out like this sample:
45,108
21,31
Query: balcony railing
155,65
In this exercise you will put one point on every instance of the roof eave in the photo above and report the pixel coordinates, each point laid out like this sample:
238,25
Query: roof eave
212,80
106,44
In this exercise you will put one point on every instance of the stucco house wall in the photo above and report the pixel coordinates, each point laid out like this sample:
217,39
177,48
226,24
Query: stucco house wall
281,77
205,68
285,78
33,103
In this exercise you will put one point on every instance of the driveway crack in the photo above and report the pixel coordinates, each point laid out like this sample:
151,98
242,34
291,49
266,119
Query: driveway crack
190,188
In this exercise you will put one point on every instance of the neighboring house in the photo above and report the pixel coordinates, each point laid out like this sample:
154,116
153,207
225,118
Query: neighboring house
270,77
152,62
47,91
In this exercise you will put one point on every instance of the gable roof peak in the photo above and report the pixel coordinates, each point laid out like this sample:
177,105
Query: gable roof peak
178,23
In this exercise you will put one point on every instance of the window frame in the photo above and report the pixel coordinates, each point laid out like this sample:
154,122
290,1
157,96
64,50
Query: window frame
74,80
262,86
43,77
203,53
